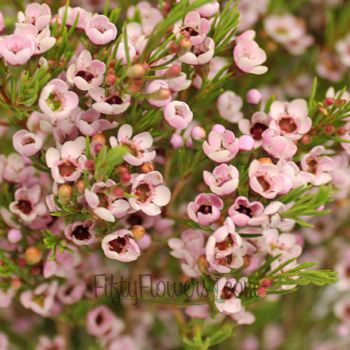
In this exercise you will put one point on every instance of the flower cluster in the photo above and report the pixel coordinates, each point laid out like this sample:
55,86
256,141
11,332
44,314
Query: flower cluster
148,133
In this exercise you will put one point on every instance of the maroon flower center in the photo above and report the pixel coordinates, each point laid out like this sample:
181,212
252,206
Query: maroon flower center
67,168
24,206
27,140
225,261
228,242
227,292
245,210
143,192
81,233
287,124
205,209
135,220
263,183
347,311
103,200
347,271
189,31
85,75
257,130
118,244
114,100
99,319
312,164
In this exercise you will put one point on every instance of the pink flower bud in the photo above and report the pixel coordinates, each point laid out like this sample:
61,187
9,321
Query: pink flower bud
254,96
14,235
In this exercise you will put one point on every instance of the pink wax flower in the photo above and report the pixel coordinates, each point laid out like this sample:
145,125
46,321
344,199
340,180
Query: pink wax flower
27,204
284,244
290,119
89,122
149,15
45,343
255,127
199,54
317,163
62,263
229,105
205,209
41,300
139,145
81,232
245,213
100,320
227,292
67,164
121,54
193,27
188,249
247,54
222,145
17,49
273,211
156,89
284,28
120,245
56,100
100,30
27,143
343,48
38,15
149,193
124,342
111,103
278,146
86,73
209,9
223,180
17,169
43,40
268,179
71,292
225,248
72,14
104,202
198,311
178,114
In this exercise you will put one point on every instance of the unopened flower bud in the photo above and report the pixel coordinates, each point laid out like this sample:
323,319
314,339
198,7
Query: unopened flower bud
341,131
203,264
138,231
329,129
90,165
254,96
162,94
266,283
147,167
33,255
16,283
14,235
111,78
306,139
328,101
265,160
80,186
118,192
261,291
173,71
122,169
198,133
100,138
185,44
136,71
65,193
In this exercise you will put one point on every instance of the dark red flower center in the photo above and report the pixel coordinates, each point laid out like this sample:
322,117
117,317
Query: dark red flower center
143,192
67,168
257,130
287,124
24,206
81,232
87,76
118,244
